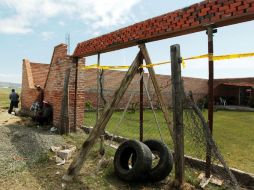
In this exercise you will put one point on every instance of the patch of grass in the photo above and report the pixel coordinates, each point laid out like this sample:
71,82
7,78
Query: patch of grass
4,97
234,134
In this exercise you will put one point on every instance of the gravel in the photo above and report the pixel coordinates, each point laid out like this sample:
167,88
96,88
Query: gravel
22,147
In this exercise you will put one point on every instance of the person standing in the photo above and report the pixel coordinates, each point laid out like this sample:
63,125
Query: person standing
14,97
36,107
40,95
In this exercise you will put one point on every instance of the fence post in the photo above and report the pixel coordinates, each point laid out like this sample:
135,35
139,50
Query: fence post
177,101
141,101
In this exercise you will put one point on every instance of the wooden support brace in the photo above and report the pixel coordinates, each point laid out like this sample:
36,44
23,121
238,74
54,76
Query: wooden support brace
101,124
157,90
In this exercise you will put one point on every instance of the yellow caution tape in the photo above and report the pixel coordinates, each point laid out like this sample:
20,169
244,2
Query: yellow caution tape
211,57
197,57
183,63
232,56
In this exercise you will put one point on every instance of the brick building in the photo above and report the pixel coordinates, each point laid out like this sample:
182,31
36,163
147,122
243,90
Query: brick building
236,91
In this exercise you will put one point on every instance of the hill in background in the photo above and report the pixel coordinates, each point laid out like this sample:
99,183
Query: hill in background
9,85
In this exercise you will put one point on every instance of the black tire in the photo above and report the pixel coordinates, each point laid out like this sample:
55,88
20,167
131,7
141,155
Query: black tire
127,152
165,164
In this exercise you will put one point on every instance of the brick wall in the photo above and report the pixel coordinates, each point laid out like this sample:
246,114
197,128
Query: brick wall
61,62
32,74
51,78
112,80
183,21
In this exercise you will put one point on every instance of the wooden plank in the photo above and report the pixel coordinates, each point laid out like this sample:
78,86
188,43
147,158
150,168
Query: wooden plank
100,126
157,89
177,102
64,124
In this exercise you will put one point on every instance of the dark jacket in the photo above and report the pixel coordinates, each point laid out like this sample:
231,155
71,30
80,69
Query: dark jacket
14,97
40,96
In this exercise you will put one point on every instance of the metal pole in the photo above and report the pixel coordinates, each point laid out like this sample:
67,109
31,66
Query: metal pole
98,88
210,31
141,101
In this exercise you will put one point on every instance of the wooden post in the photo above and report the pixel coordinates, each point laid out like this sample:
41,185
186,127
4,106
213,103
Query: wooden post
177,100
102,148
76,89
164,107
64,124
98,129
141,101
98,89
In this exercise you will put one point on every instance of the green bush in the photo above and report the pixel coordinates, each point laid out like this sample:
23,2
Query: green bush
89,105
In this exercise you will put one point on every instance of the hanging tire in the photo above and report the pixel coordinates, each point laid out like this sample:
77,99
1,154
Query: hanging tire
132,160
165,164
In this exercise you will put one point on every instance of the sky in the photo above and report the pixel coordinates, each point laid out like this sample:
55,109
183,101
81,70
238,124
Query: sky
31,28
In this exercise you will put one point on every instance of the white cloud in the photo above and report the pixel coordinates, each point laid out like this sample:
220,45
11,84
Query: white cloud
47,35
61,23
97,14
15,24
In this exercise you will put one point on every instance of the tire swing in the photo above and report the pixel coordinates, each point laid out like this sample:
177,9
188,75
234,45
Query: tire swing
162,169
133,159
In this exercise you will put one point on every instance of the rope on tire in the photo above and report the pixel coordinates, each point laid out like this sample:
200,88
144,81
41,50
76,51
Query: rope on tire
154,114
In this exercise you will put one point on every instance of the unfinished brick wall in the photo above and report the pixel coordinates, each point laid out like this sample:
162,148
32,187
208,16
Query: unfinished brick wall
51,78
54,87
32,74
183,21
